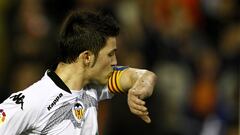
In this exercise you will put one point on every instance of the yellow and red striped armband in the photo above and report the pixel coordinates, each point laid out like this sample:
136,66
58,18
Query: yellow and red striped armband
113,82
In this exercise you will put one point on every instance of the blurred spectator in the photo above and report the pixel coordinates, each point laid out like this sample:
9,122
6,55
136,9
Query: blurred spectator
229,85
218,14
193,46
4,49
205,85
30,43
174,84
25,74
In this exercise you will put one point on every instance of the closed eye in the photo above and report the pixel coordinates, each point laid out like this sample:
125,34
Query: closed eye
112,53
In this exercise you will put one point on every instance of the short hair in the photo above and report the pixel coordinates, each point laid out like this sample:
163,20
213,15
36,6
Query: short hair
85,30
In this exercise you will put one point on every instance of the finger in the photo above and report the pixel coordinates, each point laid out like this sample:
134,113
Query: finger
136,100
137,107
135,92
145,118
139,113
139,93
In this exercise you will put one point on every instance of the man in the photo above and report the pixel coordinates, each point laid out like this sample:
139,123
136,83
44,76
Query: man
64,101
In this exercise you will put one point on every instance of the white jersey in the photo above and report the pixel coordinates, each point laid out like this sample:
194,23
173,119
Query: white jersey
49,107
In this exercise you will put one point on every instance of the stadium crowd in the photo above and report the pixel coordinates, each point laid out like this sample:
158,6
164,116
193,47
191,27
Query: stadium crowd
192,45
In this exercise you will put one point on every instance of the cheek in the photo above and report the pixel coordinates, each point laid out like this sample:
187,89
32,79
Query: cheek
107,68
103,71
105,63
103,66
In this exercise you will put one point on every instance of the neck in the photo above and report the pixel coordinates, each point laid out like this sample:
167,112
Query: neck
72,75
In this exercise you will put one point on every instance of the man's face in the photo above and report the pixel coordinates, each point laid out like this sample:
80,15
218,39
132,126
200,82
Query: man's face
102,69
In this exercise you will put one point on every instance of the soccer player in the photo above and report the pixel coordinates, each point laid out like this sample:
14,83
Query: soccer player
65,100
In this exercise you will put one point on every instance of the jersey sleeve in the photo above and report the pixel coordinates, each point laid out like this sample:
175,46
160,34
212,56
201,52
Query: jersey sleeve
16,116
105,94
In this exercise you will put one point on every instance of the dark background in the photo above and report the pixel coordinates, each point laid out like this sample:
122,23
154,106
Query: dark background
192,45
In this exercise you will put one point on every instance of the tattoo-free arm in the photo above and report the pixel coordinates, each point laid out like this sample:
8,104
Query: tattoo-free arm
139,84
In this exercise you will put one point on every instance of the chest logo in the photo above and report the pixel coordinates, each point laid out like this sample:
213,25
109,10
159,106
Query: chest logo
78,111
2,116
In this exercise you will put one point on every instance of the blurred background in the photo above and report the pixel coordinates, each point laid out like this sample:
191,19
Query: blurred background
192,45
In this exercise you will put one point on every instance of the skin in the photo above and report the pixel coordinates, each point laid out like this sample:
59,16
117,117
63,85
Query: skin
91,69
102,68
139,84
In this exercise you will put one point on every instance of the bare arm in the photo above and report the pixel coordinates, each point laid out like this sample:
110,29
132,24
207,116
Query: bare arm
139,84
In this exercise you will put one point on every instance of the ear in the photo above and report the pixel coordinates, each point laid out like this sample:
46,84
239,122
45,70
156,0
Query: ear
88,58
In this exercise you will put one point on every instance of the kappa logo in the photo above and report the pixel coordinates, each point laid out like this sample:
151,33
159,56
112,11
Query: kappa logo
54,101
18,98
2,116
78,111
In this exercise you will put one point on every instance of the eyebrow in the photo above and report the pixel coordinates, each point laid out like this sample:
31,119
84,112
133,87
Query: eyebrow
114,50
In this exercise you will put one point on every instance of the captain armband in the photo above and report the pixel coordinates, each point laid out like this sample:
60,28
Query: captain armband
113,82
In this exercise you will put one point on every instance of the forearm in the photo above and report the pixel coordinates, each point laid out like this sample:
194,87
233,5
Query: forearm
144,82
122,81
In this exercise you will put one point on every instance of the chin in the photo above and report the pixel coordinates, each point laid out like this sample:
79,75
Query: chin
101,80
104,82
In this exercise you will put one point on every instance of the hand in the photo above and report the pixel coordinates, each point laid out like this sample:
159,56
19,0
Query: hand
137,105
139,84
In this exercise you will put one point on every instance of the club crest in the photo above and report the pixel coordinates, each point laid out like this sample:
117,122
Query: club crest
2,116
78,111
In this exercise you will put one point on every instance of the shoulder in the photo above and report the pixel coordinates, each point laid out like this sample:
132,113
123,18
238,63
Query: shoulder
31,98
35,96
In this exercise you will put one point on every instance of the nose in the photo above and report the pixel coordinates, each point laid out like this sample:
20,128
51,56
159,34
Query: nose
114,61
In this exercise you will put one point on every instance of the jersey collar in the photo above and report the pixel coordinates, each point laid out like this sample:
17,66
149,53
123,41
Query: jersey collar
58,81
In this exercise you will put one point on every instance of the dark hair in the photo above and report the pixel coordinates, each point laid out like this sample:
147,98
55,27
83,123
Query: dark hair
85,30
